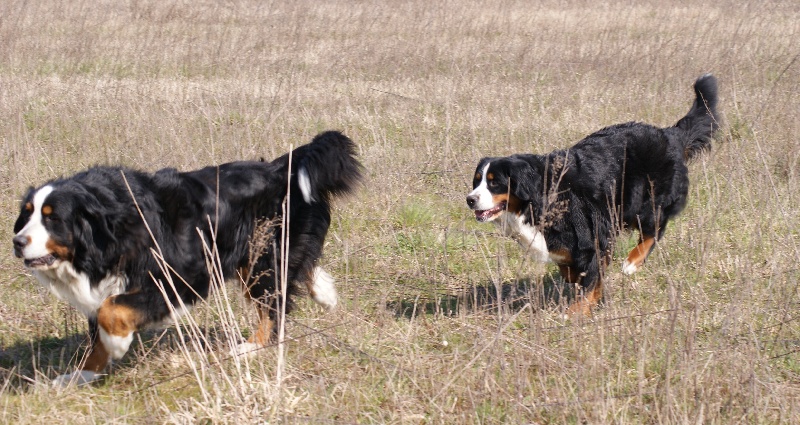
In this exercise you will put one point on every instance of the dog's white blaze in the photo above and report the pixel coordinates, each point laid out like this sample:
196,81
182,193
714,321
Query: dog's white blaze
74,287
531,239
79,377
116,346
484,197
34,229
323,290
305,185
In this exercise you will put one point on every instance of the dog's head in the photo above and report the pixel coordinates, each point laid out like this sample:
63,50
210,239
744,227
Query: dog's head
59,222
507,184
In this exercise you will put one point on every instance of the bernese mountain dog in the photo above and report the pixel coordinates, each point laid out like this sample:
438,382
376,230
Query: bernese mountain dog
107,240
568,205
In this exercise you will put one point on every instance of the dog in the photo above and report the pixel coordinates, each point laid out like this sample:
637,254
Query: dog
102,239
567,206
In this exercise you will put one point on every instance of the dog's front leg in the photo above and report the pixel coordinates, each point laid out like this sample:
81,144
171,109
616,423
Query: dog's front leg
110,334
95,361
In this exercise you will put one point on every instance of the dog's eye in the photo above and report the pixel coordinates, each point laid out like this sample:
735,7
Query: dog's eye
492,183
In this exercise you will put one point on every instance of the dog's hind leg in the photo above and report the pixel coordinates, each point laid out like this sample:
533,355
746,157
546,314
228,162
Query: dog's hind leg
583,303
259,295
589,281
263,334
586,300
638,254
321,288
266,325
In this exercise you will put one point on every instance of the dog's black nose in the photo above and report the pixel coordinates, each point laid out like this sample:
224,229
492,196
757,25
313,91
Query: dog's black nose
471,200
19,244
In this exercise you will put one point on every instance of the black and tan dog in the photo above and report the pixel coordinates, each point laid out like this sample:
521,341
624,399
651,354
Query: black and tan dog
566,206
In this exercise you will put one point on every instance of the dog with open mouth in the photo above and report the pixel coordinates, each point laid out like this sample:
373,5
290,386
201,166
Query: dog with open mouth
107,240
567,206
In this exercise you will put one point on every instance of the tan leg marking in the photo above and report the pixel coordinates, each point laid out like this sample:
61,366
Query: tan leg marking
263,334
117,319
638,254
98,357
587,301
116,325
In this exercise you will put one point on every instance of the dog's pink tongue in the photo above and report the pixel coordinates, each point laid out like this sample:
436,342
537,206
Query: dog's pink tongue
482,215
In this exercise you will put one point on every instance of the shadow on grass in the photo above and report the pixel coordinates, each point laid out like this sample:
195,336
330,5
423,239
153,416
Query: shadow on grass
25,364
547,292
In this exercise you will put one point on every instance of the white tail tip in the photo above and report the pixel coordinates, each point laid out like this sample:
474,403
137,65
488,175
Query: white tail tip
305,185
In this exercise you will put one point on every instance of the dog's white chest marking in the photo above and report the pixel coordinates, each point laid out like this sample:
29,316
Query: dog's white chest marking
531,239
72,286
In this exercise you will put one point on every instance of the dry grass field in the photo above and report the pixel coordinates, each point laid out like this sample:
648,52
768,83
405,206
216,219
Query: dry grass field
441,319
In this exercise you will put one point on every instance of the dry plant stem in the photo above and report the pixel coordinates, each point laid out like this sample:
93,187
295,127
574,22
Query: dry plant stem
284,268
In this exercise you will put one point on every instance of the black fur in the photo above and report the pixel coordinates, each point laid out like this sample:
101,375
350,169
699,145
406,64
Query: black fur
630,175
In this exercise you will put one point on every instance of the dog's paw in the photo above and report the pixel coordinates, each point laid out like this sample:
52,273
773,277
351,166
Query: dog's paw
323,290
245,349
629,268
77,378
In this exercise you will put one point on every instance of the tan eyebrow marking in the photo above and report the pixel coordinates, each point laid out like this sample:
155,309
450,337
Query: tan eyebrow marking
47,210
490,176
28,207
477,176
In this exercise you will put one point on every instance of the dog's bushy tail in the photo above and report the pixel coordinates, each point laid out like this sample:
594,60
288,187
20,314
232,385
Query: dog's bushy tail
699,125
327,166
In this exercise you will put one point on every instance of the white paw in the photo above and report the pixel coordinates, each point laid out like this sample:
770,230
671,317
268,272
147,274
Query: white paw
245,349
629,268
79,378
322,290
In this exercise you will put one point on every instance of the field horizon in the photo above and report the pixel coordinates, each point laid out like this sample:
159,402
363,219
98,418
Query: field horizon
441,319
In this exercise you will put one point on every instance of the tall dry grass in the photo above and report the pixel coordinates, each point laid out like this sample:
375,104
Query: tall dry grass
707,332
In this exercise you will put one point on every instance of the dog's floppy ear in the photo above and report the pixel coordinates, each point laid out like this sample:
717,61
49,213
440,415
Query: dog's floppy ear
526,185
526,180
92,227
